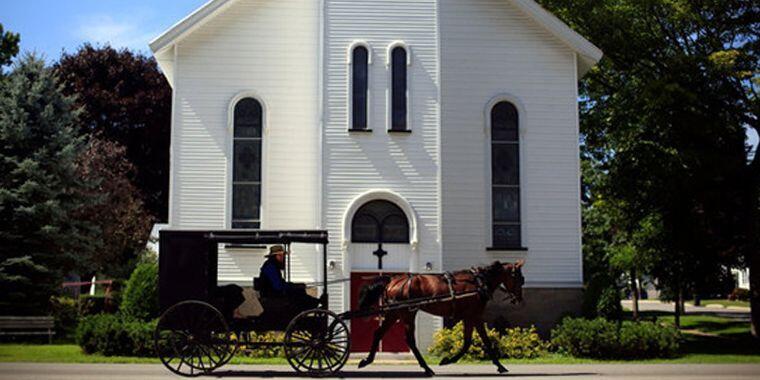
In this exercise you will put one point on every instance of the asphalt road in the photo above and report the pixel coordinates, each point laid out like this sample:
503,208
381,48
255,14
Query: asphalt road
29,371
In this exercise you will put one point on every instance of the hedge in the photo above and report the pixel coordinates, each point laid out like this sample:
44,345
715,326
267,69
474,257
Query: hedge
603,339
140,296
115,335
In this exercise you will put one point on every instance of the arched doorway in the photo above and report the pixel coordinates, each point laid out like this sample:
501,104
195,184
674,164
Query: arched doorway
380,237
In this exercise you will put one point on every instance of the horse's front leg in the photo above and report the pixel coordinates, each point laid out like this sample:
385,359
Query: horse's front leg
466,346
412,343
492,351
388,321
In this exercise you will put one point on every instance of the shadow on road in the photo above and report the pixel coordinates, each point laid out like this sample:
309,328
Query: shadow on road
388,374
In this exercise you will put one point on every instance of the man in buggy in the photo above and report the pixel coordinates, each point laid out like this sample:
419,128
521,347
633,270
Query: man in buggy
270,283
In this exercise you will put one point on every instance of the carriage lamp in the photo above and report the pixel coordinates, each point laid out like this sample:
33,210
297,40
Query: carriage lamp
331,265
428,266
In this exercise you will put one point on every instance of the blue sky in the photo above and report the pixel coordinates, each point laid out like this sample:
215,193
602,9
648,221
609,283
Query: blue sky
49,26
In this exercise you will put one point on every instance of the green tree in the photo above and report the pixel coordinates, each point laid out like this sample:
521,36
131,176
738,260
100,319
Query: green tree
125,99
8,46
665,114
40,240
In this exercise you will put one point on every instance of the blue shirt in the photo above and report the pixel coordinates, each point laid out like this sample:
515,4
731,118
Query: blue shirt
272,273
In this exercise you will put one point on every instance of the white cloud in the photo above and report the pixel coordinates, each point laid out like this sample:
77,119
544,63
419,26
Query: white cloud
124,32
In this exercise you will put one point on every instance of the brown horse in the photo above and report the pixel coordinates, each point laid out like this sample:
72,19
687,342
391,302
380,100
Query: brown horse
472,289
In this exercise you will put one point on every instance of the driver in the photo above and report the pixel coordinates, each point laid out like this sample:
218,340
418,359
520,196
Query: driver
276,286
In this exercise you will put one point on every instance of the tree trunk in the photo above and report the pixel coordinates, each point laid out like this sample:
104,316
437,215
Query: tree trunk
697,300
678,308
754,295
635,295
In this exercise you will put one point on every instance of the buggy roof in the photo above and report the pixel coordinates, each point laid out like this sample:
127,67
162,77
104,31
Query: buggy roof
246,236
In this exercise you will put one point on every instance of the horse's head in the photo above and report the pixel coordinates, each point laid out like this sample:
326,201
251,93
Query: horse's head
509,278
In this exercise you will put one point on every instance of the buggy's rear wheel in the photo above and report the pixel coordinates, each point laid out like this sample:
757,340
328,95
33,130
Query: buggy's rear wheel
317,342
192,339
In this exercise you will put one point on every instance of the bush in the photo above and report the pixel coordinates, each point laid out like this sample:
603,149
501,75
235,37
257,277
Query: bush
265,352
65,310
603,339
93,305
517,343
739,294
609,306
140,296
111,335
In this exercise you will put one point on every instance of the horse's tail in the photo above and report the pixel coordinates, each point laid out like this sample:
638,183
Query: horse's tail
370,293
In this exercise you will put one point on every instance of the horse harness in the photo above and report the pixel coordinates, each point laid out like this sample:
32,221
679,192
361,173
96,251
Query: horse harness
481,287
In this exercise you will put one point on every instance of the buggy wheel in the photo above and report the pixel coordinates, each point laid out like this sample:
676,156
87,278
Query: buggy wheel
192,339
317,342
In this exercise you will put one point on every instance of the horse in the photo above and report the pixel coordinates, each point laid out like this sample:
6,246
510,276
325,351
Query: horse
470,290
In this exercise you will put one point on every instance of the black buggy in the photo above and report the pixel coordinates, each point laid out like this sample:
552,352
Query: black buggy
197,333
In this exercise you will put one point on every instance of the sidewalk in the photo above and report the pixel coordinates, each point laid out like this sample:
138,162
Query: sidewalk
655,305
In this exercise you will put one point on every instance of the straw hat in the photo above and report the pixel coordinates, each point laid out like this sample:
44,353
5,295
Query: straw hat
275,249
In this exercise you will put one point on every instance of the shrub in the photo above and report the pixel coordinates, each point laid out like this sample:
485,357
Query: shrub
268,351
517,343
609,306
65,311
739,294
92,305
140,297
603,339
110,335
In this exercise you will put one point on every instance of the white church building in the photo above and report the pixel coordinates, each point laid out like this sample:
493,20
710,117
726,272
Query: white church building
424,135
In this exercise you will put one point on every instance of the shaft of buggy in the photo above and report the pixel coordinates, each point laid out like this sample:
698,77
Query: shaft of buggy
406,304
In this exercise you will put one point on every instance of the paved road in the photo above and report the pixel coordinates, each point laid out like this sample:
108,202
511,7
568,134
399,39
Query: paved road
29,371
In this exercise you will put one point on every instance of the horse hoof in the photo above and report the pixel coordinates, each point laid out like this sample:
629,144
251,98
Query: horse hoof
445,361
429,372
363,363
503,370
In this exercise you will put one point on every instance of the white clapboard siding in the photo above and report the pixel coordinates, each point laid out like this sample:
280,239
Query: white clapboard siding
355,163
488,47
266,48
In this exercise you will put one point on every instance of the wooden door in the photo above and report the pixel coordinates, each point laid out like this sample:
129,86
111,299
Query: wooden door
363,329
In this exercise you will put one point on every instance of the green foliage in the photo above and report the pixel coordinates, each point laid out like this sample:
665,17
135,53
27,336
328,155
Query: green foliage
515,343
112,335
608,306
65,310
140,297
268,351
40,192
8,46
603,339
92,305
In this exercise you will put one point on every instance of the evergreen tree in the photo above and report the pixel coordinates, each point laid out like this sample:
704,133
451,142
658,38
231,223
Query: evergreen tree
40,190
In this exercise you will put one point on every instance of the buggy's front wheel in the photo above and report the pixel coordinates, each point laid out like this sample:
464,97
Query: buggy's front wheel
317,342
192,339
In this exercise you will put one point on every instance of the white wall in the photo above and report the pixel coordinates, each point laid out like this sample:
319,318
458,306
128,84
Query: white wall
488,48
358,162
271,49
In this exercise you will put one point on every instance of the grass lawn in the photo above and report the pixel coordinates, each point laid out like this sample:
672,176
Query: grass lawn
724,303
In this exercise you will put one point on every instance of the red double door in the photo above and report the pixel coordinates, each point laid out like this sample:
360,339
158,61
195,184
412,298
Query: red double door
363,329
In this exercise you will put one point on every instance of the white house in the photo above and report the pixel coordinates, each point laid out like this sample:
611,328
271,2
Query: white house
445,130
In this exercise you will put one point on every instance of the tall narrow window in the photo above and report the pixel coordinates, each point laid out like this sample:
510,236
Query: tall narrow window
505,176
359,84
246,164
398,89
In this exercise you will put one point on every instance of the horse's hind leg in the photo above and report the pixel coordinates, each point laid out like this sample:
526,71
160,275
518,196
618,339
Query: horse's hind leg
388,321
466,346
492,351
411,342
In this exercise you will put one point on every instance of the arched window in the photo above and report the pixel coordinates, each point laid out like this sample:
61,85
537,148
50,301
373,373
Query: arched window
246,164
380,222
359,87
398,89
505,176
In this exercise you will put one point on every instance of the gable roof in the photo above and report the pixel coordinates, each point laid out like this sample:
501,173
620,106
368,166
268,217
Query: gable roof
588,54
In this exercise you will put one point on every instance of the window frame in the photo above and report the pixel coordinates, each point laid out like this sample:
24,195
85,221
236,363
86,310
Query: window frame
522,196
350,86
228,218
407,93
381,222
